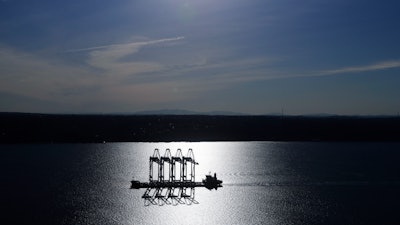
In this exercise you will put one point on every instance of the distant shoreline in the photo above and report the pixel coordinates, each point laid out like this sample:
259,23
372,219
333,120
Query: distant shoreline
57,128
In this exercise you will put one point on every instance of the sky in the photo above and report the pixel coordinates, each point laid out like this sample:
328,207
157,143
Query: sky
248,56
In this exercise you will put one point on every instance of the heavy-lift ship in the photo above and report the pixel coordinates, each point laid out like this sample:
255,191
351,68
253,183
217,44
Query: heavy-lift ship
168,187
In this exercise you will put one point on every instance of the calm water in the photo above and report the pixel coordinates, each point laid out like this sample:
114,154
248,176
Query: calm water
264,183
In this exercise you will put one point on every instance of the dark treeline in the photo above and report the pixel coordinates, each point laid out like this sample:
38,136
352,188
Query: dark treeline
44,128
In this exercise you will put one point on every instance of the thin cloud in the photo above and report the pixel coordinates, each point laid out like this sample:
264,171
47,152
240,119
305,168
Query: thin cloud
108,58
250,72
132,44
372,67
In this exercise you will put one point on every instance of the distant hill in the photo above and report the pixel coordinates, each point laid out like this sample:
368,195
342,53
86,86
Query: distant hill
187,112
64,128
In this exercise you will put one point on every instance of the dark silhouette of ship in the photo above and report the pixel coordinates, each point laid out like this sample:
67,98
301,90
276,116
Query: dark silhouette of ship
210,182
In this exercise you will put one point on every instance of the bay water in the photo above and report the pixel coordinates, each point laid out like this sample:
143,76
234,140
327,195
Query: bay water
263,183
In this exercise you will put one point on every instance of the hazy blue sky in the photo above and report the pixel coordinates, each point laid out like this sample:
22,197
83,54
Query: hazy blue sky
250,56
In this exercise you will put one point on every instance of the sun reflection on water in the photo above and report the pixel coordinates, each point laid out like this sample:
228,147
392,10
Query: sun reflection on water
233,162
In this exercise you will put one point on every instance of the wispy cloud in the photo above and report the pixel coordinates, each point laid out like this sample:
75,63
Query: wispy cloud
109,57
129,45
54,79
245,71
206,73
371,67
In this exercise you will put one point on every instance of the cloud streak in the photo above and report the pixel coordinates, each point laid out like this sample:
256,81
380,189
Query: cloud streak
132,44
366,68
108,58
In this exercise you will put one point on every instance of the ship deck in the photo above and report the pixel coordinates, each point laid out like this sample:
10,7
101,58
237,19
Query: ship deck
169,184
